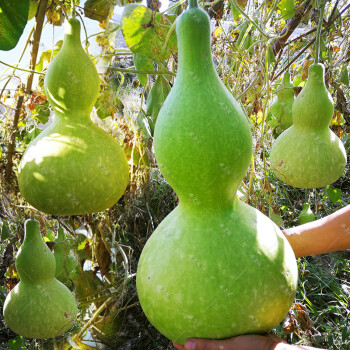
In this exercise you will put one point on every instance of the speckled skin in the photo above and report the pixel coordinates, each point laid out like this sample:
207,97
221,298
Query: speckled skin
215,267
73,167
309,154
281,109
39,306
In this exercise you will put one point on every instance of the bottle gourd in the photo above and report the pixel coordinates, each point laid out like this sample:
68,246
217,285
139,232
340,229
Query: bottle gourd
39,306
215,267
67,267
73,167
309,154
306,215
281,109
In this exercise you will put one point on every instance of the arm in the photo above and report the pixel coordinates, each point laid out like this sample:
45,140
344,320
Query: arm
242,342
326,235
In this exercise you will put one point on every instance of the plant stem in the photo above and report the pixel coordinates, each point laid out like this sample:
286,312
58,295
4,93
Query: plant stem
40,16
21,69
193,4
321,5
234,4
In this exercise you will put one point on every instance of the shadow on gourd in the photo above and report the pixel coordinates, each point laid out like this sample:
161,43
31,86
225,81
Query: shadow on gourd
73,167
309,154
215,267
39,306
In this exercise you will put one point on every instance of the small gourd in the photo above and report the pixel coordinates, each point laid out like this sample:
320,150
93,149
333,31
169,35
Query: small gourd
39,306
67,267
309,154
215,267
306,215
281,109
73,167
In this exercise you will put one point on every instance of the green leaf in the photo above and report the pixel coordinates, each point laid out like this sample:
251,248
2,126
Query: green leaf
157,96
47,55
99,10
287,8
5,232
142,62
50,235
146,32
42,112
344,76
334,194
32,134
297,80
276,218
13,19
33,8
15,344
107,103
145,125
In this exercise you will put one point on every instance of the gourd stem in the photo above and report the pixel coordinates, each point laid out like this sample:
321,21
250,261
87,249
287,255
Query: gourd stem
318,35
193,4
73,8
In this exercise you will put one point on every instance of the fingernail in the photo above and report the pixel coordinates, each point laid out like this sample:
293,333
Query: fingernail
190,345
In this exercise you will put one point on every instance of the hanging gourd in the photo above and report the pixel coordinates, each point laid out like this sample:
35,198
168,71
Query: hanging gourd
215,267
73,167
67,267
306,215
39,306
281,109
309,154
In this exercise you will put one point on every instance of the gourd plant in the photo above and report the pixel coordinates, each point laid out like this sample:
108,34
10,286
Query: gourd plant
73,167
309,154
39,306
67,267
215,267
281,109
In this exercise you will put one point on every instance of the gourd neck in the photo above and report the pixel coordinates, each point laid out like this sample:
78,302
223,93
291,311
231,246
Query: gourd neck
34,261
193,4
32,232
193,33
72,32
316,75
74,116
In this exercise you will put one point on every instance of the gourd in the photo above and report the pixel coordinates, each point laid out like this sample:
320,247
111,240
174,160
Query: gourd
215,267
73,167
281,109
67,267
306,215
39,306
309,154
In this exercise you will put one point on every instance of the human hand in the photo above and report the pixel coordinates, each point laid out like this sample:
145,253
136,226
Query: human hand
242,342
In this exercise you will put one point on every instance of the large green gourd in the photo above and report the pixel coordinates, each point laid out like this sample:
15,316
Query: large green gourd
309,154
39,306
73,167
281,109
215,267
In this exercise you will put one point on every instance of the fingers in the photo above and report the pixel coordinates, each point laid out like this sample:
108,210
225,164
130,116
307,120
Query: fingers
243,342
